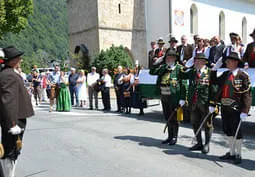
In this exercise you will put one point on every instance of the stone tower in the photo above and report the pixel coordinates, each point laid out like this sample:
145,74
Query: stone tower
100,23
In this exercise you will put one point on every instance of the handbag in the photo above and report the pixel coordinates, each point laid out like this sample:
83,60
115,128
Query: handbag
126,94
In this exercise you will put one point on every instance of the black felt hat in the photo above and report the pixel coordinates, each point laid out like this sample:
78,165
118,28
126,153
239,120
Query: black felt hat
172,39
11,52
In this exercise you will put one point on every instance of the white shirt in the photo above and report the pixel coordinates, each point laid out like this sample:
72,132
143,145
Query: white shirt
206,51
235,72
92,78
107,80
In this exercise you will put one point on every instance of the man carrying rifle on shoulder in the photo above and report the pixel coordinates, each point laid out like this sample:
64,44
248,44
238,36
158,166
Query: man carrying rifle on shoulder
169,85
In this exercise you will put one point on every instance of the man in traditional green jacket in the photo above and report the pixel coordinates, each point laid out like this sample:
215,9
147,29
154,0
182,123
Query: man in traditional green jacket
169,85
198,95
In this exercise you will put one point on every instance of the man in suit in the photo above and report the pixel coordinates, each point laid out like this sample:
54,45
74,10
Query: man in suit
151,54
235,97
249,55
15,106
216,51
185,50
199,96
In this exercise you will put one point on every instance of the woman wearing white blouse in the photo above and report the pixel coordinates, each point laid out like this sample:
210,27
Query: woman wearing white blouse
81,85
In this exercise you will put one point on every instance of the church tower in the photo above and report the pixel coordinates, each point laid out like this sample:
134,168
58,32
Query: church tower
99,24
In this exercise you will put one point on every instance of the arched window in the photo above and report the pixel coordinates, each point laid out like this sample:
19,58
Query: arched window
222,25
193,19
244,30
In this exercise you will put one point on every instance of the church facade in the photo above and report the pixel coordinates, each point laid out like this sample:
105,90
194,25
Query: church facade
98,24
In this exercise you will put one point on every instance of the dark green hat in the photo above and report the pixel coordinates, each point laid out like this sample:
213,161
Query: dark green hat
201,56
233,56
172,53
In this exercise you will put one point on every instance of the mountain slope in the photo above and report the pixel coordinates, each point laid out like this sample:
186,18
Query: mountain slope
46,36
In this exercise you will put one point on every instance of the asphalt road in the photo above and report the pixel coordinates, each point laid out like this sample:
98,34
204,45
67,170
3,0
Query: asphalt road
85,143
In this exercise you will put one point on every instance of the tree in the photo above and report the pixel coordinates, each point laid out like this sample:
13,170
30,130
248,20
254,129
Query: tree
14,14
111,58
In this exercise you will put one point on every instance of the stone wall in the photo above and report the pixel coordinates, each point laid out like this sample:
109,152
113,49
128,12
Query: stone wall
98,24
83,24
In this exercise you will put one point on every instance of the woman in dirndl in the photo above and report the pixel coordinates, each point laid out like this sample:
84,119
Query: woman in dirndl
63,99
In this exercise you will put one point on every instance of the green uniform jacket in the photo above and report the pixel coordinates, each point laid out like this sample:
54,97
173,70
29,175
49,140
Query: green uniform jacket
175,80
204,89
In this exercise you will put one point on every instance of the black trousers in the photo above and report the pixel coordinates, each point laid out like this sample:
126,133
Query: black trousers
106,98
11,150
168,108
120,97
230,121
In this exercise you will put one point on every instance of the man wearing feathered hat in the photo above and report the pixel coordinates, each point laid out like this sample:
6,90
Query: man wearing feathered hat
160,51
235,97
169,86
173,44
15,106
249,55
199,97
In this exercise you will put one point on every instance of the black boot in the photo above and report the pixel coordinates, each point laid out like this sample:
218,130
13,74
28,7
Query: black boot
199,145
175,134
141,112
170,135
208,134
238,160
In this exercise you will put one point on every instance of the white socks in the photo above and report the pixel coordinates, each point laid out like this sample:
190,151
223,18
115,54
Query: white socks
236,148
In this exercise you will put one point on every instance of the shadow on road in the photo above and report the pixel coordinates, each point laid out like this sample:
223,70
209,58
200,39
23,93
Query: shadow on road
180,149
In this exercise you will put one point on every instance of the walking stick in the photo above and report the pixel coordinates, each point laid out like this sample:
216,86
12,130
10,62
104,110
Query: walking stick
200,127
237,130
170,117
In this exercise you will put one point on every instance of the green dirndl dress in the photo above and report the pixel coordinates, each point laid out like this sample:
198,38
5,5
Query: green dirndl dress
64,100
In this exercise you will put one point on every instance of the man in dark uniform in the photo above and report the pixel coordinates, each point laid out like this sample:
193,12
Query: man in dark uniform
249,55
15,107
169,84
199,92
118,86
235,98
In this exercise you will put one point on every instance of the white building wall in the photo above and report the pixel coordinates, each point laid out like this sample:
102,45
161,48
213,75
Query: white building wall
157,20
208,17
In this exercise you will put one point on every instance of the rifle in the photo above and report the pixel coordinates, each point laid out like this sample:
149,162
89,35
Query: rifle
200,127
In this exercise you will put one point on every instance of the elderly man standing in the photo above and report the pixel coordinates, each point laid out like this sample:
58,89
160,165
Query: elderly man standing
15,106
72,79
92,78
106,81
185,50
118,86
